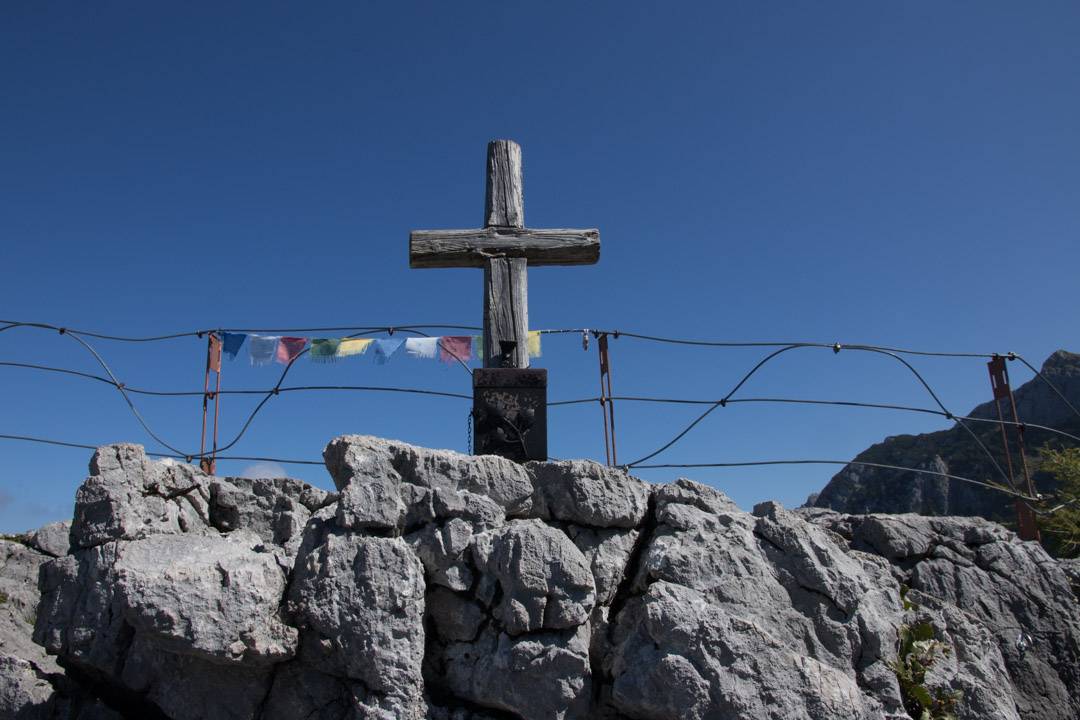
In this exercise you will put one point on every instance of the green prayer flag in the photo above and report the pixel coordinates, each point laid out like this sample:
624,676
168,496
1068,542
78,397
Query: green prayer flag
324,349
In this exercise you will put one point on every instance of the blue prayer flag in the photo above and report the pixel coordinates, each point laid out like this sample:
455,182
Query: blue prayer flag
385,348
231,343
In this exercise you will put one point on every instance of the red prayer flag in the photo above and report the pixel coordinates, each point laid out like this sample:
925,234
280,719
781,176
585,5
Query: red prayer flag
288,348
455,348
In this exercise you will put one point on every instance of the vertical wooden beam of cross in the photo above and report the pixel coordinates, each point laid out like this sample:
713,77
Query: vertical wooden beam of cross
504,248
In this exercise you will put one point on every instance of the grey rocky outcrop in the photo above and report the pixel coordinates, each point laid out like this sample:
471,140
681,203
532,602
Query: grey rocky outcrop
32,684
53,539
24,666
433,585
1001,603
275,509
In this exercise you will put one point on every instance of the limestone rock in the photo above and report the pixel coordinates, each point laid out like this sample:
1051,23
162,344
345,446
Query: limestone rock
214,598
19,568
76,617
276,509
588,493
543,581
442,550
608,552
371,503
53,539
477,509
456,617
692,494
32,685
539,675
360,456
436,586
128,496
360,603
187,687
743,616
24,691
300,692
974,664
1012,589
681,656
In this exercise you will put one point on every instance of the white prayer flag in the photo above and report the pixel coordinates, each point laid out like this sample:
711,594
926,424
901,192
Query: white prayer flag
422,348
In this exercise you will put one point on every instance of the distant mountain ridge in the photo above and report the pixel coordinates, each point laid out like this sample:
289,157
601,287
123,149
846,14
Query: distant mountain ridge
861,489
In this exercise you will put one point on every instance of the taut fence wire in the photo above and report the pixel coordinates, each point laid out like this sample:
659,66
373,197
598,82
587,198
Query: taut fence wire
776,348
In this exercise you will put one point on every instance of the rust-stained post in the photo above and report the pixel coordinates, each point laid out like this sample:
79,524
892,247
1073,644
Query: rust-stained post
1027,528
213,364
607,402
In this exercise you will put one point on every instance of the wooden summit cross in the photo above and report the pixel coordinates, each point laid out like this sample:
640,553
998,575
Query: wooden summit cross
504,247
509,401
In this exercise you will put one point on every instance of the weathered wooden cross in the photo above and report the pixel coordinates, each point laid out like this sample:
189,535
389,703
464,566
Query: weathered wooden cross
504,248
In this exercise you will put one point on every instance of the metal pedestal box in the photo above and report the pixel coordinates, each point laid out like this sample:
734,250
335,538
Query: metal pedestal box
510,413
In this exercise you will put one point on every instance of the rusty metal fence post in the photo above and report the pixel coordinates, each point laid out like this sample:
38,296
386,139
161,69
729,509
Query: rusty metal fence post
607,403
999,383
213,364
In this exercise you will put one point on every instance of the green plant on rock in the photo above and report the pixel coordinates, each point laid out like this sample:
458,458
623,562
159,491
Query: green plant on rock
1061,528
917,650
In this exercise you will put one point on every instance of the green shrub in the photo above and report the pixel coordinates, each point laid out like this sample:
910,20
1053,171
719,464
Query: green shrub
917,650
1061,528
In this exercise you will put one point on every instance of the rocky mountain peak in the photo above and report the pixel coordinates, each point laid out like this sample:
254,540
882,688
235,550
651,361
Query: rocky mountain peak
860,489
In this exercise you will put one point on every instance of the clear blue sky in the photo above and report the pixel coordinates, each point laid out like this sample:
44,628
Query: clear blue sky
895,173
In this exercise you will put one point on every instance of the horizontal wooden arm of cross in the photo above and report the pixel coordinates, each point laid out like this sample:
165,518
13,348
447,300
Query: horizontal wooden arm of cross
473,248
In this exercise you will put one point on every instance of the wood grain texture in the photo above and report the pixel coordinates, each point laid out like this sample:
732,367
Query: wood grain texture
504,201
473,248
506,312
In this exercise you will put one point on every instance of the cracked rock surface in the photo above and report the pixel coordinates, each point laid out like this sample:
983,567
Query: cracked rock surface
434,585
1005,604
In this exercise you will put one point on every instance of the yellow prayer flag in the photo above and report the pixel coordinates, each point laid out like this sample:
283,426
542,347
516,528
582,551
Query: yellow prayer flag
534,343
353,346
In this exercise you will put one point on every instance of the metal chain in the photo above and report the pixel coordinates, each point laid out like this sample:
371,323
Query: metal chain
468,433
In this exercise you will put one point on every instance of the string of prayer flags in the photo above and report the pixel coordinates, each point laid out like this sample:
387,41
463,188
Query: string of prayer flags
263,349
455,348
385,349
324,349
353,346
288,348
423,348
231,343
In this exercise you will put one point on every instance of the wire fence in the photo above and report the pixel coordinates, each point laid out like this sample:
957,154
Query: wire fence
776,349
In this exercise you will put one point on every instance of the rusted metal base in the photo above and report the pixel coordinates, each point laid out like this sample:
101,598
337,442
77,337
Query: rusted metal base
510,413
